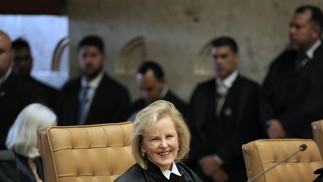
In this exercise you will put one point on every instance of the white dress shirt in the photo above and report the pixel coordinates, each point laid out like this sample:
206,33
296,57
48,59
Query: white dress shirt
91,92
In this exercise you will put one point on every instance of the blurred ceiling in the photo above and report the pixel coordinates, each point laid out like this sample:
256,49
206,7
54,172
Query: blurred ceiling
32,7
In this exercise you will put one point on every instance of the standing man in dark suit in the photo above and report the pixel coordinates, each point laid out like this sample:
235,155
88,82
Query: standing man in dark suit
292,93
93,97
152,85
15,93
223,115
22,66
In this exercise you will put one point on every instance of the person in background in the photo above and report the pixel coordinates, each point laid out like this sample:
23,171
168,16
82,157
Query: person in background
291,95
15,92
23,140
152,84
93,97
161,140
22,65
223,115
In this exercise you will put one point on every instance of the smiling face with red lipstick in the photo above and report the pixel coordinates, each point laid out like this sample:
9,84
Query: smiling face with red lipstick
161,139
161,143
160,136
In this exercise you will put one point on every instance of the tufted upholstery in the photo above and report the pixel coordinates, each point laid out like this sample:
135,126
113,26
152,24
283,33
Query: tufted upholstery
86,153
260,155
317,128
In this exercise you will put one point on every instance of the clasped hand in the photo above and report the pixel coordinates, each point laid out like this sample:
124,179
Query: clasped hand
212,169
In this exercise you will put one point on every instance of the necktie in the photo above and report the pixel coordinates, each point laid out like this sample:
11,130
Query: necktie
221,91
83,101
301,61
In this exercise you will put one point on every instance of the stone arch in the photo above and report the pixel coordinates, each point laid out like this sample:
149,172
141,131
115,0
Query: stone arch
204,65
131,56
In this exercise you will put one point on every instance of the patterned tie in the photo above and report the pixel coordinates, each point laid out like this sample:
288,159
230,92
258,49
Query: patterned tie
221,91
83,102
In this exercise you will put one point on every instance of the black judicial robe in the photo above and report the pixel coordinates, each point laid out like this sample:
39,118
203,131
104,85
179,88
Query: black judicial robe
154,174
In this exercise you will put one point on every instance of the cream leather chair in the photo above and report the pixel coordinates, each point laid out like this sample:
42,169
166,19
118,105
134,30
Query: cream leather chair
88,153
259,155
317,128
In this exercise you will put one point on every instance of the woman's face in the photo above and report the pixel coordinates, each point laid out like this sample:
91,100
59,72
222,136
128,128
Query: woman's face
161,143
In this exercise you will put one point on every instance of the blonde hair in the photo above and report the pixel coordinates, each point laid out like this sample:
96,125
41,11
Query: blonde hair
147,119
22,136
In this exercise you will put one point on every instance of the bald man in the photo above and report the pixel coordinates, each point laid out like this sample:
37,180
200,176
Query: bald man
15,93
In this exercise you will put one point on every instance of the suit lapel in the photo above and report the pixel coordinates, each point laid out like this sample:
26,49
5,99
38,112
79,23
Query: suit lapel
97,98
230,98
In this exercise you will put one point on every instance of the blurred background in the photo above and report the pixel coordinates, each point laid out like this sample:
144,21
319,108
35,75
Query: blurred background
174,33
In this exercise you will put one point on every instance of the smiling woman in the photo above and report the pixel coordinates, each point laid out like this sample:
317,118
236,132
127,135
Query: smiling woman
161,140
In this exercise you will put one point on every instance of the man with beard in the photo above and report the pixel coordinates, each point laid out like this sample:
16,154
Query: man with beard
292,90
93,97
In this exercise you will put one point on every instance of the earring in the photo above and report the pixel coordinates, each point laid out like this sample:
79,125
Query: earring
143,154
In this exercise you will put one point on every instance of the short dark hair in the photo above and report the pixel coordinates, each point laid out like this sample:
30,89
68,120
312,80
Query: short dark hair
154,67
19,44
225,41
92,40
317,16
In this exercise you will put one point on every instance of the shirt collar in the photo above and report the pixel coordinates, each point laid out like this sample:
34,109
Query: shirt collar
310,52
228,81
5,76
164,92
93,83
174,170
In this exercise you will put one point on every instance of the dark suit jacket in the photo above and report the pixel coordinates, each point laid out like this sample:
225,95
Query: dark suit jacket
110,103
180,105
46,94
294,96
237,123
15,94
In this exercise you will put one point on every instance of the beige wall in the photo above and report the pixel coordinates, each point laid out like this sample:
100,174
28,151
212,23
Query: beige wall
176,30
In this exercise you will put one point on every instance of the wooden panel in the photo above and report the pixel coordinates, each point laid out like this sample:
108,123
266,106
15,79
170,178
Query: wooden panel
32,6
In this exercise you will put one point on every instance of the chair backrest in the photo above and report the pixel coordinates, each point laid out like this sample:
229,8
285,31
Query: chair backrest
259,155
317,128
97,153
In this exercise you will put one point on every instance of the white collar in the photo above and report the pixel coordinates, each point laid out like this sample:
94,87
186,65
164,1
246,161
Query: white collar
164,92
228,81
310,52
5,76
175,171
93,83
